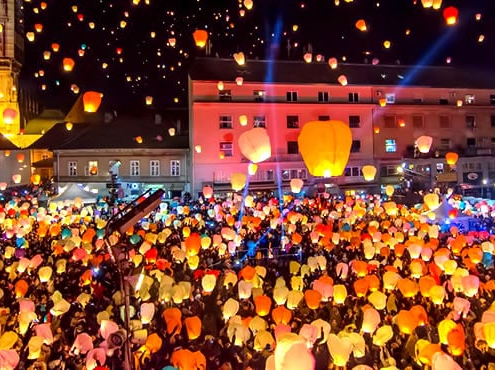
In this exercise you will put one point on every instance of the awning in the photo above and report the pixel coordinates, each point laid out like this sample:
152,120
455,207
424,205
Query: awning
73,191
44,163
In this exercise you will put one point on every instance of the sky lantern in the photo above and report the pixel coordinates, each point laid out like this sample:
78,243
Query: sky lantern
46,55
432,201
308,57
255,144
239,81
220,85
149,100
369,172
342,80
325,147
172,41
332,62
450,15
387,44
263,305
207,192
193,326
200,38
240,58
30,36
340,349
424,143
292,353
68,64
248,4
208,283
252,169
9,115
427,3
382,102
243,120
361,25
16,178
20,157
91,101
238,181
296,185
451,158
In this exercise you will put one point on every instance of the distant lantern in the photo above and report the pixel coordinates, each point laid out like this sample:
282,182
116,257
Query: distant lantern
295,27
139,139
369,172
220,85
35,179
239,81
207,191
43,5
238,181
47,55
342,80
149,100
386,44
69,126
478,16
38,27
91,101
7,153
427,3
361,25
252,169
240,58
198,149
308,57
92,25
402,122
424,143
16,178
382,102
248,4
459,103
55,47
243,120
30,36
375,61
450,15
81,52
171,131
481,38
325,147
68,64
20,157
3,186
255,144
200,38
319,58
451,158
9,115
296,185
437,4
172,41
332,62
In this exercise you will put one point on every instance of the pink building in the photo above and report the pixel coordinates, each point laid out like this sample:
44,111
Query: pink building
283,95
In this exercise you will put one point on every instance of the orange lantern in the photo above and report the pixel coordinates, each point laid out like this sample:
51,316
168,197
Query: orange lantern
312,298
332,62
451,158
193,244
369,172
255,144
91,101
281,315
9,115
20,288
424,143
450,15
325,147
406,321
200,38
361,287
382,102
55,47
342,80
20,157
361,25
308,57
263,305
456,340
240,58
193,327
68,64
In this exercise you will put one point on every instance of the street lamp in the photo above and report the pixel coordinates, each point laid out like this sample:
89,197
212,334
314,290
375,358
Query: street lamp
119,251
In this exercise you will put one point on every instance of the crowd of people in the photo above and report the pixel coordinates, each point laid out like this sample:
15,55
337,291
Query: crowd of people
321,282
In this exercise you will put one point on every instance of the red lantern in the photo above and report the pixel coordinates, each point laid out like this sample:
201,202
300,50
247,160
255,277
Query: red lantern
263,305
200,38
91,101
9,115
450,15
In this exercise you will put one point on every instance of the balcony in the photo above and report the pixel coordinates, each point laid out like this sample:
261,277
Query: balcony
279,158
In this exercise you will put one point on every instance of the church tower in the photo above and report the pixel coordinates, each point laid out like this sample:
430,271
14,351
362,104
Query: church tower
11,59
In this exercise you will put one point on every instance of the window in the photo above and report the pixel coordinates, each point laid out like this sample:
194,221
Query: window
444,143
292,121
225,122
174,167
303,173
418,121
470,121
225,95
471,166
354,121
269,175
353,97
323,96
389,122
154,167
227,148
492,120
390,145
471,141
440,167
135,168
469,99
293,173
285,175
93,168
72,168
292,147
492,99
259,95
291,95
352,171
388,170
417,100
390,98
356,146
324,118
444,122
443,101
259,121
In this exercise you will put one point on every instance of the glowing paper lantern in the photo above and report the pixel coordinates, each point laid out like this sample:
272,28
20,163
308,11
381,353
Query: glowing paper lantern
149,100
69,126
16,178
339,293
20,157
91,101
361,25
207,191
308,57
312,298
340,349
263,305
292,353
238,181
406,321
9,115
255,144
432,201
200,38
68,64
239,58
342,80
252,169
389,190
193,327
332,62
450,15
369,172
325,147
451,158
208,283
424,143
296,185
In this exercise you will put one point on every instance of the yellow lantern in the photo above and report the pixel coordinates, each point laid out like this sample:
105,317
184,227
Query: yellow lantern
451,158
340,349
292,353
296,185
432,201
149,100
91,101
238,181
255,144
200,38
239,58
382,102
69,126
230,308
369,172
424,143
325,147
252,169
243,120
389,190
208,283
339,293
45,273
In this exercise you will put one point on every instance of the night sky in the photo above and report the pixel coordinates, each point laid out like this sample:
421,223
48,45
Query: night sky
133,41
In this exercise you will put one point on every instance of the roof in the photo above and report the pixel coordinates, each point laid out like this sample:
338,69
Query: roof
215,69
43,122
120,133
44,163
6,144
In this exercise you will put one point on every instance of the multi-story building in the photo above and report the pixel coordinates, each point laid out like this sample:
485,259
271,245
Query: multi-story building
386,107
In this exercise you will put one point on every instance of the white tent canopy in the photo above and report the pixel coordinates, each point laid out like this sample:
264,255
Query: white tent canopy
70,192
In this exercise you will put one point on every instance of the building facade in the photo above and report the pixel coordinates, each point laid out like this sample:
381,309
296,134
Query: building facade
386,107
